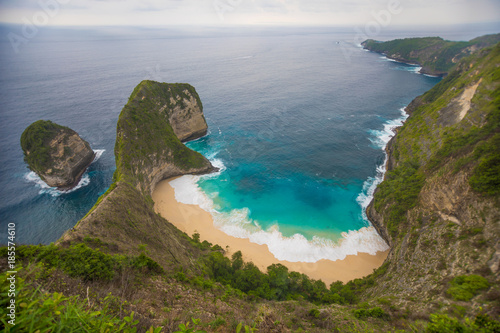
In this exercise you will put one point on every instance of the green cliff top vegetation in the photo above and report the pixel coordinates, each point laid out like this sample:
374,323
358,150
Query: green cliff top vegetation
429,138
145,136
35,140
436,55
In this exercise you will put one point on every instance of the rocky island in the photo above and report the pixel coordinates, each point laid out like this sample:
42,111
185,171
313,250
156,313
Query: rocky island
124,267
56,153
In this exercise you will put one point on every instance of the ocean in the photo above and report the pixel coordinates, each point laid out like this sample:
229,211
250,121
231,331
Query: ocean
298,119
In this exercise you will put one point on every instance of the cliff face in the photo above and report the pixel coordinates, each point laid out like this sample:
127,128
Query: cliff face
435,55
148,149
439,205
149,132
56,153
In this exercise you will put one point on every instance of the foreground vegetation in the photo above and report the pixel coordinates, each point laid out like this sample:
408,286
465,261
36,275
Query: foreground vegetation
84,289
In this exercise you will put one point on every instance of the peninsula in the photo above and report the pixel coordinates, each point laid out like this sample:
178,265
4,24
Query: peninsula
435,55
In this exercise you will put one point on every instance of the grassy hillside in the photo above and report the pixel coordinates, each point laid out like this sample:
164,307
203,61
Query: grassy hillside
439,205
436,55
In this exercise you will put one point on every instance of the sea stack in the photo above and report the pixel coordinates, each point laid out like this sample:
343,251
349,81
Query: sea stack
57,154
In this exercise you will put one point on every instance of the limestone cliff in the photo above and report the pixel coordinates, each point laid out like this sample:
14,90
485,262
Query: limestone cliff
56,153
148,149
439,205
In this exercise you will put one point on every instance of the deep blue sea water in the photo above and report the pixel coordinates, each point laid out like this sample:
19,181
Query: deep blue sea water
297,127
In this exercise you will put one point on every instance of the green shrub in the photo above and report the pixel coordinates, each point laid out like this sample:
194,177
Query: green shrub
84,262
464,287
143,261
400,190
314,313
80,261
43,312
364,312
441,323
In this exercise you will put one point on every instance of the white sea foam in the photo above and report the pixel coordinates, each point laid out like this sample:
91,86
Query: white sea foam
98,154
381,138
53,191
32,177
297,248
415,68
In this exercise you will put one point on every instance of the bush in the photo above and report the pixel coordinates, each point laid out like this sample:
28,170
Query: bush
84,262
400,189
481,324
314,313
143,261
375,312
43,312
464,287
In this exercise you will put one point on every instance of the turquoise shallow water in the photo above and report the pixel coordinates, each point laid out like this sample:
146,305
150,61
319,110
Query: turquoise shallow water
297,127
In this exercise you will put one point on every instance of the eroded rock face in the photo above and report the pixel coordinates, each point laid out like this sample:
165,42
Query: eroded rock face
187,119
150,132
56,153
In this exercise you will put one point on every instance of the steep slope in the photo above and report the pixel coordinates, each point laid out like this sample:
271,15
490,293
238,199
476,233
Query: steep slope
56,153
147,151
436,55
439,205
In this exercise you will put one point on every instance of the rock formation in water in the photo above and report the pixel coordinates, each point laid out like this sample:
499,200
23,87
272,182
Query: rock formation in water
56,153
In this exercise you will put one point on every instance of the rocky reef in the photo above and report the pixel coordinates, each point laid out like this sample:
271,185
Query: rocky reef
56,153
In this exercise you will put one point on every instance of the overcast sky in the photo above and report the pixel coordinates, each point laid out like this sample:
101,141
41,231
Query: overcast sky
248,12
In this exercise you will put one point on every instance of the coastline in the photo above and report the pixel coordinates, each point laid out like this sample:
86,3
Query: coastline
192,218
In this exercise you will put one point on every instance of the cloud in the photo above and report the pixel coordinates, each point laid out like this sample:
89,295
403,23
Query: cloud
228,12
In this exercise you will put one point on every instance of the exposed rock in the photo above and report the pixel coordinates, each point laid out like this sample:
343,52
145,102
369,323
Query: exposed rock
187,118
56,153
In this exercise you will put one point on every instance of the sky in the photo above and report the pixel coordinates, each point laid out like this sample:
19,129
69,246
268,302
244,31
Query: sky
248,12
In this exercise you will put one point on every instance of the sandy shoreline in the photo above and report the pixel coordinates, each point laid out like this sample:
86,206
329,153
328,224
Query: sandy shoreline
191,219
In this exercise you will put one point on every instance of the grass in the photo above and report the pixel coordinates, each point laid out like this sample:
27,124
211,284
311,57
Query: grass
35,140
145,138
39,311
